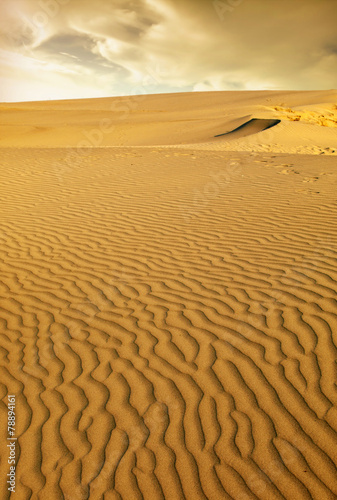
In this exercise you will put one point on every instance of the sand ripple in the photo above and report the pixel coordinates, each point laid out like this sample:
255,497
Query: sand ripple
169,325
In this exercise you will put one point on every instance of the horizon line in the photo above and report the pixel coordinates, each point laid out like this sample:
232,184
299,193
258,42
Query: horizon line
164,93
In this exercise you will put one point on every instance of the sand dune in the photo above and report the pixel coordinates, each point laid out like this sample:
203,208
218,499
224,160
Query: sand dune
253,126
168,314
192,120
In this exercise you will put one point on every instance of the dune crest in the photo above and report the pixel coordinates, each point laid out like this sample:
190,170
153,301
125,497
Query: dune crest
183,120
324,118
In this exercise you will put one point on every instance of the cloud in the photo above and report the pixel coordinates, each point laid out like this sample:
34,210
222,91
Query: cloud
134,46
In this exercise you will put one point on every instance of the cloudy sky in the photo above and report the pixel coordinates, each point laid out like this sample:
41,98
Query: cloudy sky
60,49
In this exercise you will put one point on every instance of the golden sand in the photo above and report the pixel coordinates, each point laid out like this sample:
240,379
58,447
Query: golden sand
168,306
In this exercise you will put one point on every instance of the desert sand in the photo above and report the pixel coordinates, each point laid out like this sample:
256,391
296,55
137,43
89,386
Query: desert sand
168,296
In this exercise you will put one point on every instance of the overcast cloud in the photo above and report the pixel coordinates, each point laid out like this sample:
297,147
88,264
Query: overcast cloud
52,49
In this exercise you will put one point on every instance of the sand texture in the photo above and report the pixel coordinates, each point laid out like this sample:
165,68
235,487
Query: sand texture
168,298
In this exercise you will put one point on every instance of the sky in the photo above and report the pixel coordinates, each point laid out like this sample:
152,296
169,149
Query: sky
67,49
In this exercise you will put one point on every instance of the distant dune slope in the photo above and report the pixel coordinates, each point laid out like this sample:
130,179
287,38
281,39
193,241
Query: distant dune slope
186,119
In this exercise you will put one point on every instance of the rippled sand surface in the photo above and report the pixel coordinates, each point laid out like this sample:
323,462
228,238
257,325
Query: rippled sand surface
168,322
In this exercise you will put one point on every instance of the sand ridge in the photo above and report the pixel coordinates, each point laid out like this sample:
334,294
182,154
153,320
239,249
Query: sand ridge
323,117
185,120
168,320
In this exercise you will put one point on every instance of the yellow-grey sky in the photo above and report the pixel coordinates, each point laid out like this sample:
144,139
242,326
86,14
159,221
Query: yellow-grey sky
60,49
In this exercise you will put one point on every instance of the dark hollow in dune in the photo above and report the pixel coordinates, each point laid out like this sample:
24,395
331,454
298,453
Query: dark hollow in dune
253,126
